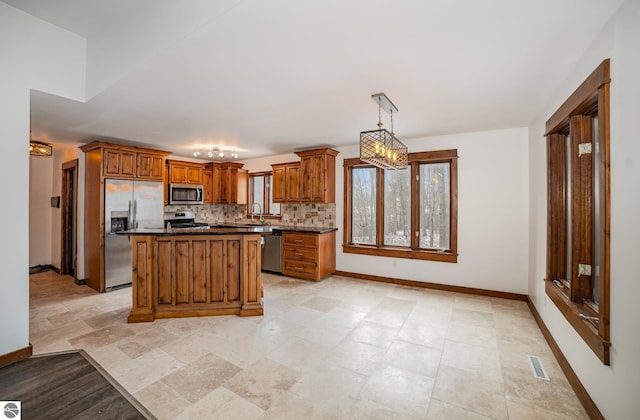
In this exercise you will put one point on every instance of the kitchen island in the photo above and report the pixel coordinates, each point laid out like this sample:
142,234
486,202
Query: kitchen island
195,272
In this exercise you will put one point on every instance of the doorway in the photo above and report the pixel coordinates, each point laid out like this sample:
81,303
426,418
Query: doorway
69,224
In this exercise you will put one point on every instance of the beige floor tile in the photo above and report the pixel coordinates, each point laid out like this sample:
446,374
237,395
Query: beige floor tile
298,353
359,357
523,412
554,396
200,377
476,359
337,349
439,410
263,382
290,406
473,318
222,404
414,358
101,337
424,335
480,394
374,333
401,391
324,383
478,336
145,370
162,401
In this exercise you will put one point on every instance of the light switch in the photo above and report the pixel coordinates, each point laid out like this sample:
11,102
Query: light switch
584,270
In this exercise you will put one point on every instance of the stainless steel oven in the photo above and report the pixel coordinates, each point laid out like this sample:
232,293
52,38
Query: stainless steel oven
186,194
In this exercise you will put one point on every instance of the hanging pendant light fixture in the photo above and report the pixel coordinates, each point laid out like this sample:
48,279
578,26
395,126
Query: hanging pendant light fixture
381,147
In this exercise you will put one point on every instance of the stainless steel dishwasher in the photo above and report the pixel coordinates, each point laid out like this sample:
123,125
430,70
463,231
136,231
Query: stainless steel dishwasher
272,252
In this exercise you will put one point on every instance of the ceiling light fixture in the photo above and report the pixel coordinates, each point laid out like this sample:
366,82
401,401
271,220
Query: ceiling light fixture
216,153
39,148
380,147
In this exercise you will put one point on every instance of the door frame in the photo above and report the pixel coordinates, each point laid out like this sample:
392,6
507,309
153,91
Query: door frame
69,220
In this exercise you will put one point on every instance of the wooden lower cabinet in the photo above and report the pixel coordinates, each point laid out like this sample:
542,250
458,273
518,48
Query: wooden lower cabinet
308,255
195,275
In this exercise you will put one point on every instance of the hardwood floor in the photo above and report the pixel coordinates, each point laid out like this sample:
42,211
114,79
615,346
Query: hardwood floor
66,385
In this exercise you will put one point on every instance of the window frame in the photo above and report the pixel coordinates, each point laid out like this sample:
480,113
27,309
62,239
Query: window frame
573,298
266,191
413,252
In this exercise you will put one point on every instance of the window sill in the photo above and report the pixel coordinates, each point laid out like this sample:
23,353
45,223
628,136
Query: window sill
413,254
584,328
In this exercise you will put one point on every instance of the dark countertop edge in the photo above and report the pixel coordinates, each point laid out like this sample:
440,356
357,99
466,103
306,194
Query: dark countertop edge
304,229
226,231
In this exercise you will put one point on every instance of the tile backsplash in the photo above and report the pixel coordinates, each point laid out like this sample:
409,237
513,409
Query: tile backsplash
311,215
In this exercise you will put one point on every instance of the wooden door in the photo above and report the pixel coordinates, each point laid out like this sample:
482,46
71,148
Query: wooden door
293,183
278,186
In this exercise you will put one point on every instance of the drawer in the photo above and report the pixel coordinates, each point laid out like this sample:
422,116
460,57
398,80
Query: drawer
297,253
299,239
300,267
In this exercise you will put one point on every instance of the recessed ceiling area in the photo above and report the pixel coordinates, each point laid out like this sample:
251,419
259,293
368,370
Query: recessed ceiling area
265,78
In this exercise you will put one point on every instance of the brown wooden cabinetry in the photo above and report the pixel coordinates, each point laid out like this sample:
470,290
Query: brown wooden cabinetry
195,275
110,161
318,176
308,255
227,183
285,183
185,172
207,182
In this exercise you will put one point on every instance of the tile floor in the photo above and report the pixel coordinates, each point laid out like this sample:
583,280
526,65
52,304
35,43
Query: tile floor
337,349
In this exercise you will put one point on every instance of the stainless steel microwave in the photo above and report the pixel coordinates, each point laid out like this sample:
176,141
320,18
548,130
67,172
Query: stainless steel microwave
186,194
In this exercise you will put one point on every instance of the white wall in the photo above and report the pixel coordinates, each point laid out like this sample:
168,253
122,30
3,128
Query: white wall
40,211
492,215
613,388
41,56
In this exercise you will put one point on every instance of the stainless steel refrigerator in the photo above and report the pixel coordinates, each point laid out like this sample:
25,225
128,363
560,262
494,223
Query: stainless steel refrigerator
127,205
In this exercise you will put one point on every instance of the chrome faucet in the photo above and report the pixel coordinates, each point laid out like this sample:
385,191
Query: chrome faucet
259,210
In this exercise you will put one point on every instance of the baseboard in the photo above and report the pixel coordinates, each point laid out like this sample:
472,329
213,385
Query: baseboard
79,282
16,356
54,269
589,406
436,286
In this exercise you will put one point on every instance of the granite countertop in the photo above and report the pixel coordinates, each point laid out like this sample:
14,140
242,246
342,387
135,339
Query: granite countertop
228,229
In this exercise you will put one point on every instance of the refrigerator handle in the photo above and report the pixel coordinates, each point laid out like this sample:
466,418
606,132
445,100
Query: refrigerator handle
135,214
130,216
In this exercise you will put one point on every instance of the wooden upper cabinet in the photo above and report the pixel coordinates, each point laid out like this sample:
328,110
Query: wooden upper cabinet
225,178
243,187
185,172
285,182
118,163
207,182
150,167
318,176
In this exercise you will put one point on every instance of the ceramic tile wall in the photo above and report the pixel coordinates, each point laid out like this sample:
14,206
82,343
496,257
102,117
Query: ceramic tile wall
311,215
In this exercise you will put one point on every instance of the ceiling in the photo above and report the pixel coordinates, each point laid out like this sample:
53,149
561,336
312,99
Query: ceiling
270,77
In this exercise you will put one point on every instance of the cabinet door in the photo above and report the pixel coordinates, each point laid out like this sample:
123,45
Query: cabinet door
223,194
292,183
218,193
150,166
278,184
118,163
207,182
313,179
232,187
242,197
194,176
178,174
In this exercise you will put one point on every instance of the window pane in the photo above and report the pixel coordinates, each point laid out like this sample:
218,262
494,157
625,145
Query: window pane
397,207
257,189
435,199
363,205
274,208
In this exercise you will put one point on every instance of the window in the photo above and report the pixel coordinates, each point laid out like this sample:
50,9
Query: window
406,213
577,278
259,188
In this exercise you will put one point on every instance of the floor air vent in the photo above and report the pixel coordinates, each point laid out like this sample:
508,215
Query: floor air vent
537,368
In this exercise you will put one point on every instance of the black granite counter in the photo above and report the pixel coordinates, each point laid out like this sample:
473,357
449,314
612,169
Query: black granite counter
228,230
